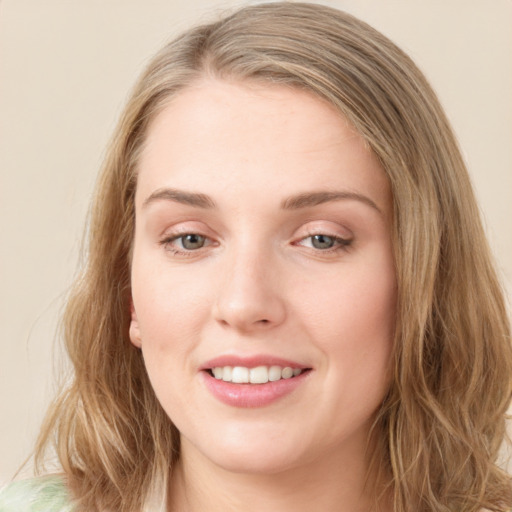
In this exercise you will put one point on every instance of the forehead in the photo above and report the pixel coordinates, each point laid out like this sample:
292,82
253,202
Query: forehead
226,136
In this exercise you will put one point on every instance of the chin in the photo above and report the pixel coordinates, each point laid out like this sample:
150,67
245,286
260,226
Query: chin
249,454
256,462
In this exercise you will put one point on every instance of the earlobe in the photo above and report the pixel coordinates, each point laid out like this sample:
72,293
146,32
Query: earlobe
134,330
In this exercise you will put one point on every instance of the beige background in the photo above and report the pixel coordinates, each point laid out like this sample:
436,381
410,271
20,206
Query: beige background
65,69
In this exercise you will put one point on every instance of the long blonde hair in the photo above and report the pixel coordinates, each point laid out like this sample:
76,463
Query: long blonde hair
440,428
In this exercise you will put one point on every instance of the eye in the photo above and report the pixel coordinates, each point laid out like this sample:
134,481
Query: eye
326,243
322,241
185,243
191,241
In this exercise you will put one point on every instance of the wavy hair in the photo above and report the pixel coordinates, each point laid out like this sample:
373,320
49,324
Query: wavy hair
439,431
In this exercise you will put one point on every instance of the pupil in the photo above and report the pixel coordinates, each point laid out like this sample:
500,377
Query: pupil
193,241
322,241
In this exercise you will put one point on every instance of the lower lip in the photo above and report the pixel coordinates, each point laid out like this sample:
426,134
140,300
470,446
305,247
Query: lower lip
252,395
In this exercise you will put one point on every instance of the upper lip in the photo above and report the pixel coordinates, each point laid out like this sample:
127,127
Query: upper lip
251,362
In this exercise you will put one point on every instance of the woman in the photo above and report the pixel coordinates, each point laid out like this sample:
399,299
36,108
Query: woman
289,299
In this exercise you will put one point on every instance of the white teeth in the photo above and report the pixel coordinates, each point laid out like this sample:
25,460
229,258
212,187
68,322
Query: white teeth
227,373
274,373
257,375
240,375
287,373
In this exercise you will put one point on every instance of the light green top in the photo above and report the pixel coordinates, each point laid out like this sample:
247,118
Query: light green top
43,494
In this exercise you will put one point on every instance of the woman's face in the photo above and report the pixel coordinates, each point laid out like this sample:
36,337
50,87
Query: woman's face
263,250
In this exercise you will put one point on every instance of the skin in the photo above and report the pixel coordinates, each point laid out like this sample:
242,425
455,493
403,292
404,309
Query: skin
261,285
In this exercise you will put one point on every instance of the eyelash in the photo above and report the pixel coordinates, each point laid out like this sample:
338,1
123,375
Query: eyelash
340,244
167,244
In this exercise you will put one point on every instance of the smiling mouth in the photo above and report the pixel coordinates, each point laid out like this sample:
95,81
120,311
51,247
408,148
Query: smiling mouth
257,375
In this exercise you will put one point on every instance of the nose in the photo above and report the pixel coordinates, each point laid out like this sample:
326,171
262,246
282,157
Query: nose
250,296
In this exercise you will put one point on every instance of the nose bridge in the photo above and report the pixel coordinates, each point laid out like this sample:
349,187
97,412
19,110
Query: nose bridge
249,296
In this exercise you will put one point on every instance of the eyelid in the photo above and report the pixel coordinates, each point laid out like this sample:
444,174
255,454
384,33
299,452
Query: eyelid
328,228
178,236
341,236
339,243
185,226
181,229
167,242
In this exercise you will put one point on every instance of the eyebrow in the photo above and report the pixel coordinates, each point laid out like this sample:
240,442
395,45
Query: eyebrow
309,199
296,202
181,196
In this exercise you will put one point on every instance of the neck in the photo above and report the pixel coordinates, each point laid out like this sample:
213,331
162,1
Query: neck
330,484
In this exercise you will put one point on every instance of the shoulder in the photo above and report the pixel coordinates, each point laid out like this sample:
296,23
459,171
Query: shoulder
43,494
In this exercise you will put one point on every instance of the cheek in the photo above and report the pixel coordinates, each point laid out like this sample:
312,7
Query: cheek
353,317
170,306
170,313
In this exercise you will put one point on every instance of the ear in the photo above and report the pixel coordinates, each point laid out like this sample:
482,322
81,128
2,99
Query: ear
134,331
